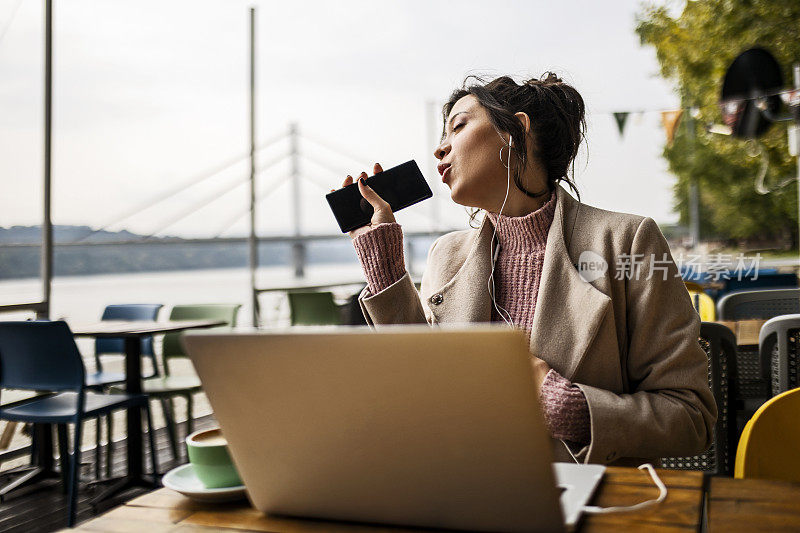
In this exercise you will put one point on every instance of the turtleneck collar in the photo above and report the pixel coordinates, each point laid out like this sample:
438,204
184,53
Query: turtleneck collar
525,233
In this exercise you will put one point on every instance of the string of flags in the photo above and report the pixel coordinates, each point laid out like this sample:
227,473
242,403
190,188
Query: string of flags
671,118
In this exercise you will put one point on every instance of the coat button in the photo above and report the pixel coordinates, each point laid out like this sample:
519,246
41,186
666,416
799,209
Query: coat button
437,298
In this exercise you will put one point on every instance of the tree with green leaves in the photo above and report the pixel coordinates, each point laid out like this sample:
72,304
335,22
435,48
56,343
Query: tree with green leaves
694,51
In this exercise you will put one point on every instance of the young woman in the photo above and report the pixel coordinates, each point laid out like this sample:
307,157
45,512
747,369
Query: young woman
613,335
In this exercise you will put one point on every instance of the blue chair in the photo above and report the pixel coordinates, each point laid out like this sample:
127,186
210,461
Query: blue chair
101,379
117,346
42,356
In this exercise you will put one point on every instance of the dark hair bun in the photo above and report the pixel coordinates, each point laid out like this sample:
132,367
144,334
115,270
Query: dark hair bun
548,78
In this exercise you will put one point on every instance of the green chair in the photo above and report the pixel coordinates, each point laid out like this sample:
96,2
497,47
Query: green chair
313,308
165,388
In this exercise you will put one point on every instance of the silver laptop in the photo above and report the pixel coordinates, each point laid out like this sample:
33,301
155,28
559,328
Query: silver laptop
407,425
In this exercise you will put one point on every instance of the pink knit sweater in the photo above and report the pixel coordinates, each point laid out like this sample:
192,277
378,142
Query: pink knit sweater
518,271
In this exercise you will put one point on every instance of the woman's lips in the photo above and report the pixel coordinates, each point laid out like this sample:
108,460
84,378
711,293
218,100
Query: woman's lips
444,174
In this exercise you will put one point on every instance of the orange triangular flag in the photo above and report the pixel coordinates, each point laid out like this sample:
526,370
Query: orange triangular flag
670,120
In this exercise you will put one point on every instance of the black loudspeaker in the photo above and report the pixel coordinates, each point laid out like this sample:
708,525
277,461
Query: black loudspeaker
748,93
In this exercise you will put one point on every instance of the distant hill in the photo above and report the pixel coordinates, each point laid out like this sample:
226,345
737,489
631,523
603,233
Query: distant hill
23,262
33,234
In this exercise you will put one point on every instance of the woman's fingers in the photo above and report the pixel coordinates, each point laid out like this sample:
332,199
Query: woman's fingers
377,203
382,210
349,179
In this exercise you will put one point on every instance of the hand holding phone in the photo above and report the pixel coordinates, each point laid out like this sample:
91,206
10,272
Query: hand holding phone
373,200
382,211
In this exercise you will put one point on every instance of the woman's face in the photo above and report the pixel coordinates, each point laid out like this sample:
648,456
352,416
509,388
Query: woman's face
471,147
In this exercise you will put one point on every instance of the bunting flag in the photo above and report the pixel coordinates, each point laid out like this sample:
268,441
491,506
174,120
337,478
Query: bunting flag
670,120
731,112
791,98
621,118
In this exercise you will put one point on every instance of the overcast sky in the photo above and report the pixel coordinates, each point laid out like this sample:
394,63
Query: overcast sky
149,93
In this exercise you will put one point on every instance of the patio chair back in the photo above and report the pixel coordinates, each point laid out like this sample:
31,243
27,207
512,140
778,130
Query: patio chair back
770,440
779,342
767,279
719,343
763,304
39,355
126,312
117,345
313,308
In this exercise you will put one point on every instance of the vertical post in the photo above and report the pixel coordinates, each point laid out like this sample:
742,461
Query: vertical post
430,111
253,240
47,225
796,75
694,189
298,246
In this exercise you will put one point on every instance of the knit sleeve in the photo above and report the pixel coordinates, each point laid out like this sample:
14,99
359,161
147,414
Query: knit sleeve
566,412
380,251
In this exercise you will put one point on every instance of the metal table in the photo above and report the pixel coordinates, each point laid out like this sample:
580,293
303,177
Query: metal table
133,332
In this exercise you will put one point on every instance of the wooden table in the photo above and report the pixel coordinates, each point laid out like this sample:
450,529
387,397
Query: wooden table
753,505
133,332
166,510
746,331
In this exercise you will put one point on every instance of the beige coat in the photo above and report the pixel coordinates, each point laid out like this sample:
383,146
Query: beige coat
630,344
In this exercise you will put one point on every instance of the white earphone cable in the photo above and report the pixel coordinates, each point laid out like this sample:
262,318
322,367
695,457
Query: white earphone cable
505,315
662,494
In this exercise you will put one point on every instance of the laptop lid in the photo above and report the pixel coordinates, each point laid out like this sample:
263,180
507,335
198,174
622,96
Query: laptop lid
407,425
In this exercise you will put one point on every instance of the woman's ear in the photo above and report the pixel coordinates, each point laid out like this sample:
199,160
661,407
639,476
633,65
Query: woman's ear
525,120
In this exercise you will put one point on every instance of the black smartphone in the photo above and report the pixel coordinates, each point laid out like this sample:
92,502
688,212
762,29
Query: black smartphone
399,186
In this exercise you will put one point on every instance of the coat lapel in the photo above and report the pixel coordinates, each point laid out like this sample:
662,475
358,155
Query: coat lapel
465,298
569,310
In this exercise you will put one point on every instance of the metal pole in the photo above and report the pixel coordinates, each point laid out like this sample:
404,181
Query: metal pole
694,188
47,225
432,136
796,72
253,241
298,248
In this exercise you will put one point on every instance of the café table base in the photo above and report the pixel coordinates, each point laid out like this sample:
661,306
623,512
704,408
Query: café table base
35,475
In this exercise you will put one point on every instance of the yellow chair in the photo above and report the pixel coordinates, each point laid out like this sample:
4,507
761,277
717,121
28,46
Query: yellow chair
704,304
692,286
768,447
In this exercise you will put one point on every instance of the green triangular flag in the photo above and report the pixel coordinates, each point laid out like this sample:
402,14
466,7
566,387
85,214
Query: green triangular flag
621,118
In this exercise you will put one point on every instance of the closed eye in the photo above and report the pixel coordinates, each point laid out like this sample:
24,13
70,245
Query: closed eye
458,126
